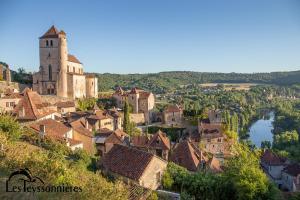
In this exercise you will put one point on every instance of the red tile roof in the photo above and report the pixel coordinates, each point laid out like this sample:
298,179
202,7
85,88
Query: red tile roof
293,169
73,59
79,126
65,104
172,108
33,106
51,33
187,155
164,142
53,128
271,158
214,165
126,161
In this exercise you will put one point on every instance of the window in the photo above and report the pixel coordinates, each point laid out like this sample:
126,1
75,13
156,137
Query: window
50,72
7,104
92,83
68,68
12,104
47,43
51,43
73,69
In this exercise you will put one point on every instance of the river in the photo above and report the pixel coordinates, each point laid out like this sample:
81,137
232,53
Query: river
261,130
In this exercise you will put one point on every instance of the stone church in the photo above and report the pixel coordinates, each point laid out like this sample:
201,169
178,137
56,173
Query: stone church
61,73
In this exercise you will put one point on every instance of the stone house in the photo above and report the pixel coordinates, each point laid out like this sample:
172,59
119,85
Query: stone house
99,120
64,107
117,118
141,101
82,133
60,73
272,164
105,139
187,155
32,108
157,144
291,178
134,166
9,101
215,116
172,115
211,136
56,130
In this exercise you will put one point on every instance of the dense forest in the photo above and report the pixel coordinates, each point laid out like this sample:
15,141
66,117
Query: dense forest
168,81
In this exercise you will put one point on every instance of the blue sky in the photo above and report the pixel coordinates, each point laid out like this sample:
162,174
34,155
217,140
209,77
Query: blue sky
128,36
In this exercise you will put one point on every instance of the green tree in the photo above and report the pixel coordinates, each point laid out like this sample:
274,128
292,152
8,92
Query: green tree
10,127
126,121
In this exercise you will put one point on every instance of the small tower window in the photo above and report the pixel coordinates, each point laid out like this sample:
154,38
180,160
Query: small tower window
73,69
92,83
68,68
47,43
50,73
51,43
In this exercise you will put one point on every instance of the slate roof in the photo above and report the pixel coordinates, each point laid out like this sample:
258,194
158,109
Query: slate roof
126,161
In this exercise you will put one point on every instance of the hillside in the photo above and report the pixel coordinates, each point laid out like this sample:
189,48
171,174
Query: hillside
167,81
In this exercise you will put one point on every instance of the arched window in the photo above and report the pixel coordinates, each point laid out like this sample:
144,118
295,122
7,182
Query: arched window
51,43
47,43
50,73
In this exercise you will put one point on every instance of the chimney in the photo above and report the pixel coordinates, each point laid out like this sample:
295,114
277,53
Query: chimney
42,130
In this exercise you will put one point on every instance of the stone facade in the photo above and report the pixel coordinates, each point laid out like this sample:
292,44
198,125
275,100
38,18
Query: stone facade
60,73
140,101
5,73
172,115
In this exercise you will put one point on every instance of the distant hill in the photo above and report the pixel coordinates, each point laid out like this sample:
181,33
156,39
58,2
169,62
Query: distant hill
166,81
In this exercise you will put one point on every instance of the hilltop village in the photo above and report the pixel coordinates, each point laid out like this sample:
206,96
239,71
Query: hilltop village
133,140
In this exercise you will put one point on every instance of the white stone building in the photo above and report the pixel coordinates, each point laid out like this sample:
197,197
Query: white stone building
60,73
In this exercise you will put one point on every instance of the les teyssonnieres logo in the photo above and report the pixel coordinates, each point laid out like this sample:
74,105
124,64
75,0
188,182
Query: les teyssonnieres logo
23,181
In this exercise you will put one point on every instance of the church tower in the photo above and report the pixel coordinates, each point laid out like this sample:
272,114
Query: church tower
53,63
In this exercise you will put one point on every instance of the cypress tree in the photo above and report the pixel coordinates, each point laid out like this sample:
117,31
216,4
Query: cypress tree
126,122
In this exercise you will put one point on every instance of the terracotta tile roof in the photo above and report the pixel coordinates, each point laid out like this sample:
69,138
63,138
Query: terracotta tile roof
210,130
126,161
172,108
79,126
293,169
144,94
13,96
33,106
100,114
74,142
163,143
214,165
140,141
187,155
73,59
51,33
103,132
271,158
53,128
65,104
114,137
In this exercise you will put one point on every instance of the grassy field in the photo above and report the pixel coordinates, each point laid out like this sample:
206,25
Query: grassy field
231,86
